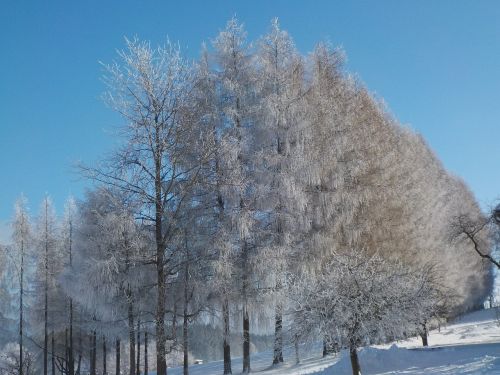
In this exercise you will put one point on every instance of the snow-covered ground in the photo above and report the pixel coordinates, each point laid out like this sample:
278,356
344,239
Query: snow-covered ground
471,345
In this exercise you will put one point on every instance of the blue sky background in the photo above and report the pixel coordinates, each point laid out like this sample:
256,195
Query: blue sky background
436,64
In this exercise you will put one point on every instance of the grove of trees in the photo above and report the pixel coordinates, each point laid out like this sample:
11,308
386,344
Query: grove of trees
256,190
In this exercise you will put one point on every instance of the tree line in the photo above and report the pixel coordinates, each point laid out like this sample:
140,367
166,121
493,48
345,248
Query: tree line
256,189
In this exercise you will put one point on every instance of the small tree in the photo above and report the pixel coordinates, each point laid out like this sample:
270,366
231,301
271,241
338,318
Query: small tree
359,300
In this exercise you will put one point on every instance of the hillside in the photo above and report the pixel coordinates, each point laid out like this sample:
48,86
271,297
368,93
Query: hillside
470,345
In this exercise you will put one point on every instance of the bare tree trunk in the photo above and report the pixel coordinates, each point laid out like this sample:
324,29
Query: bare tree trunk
278,335
424,335
185,338
104,356
297,357
93,353
138,371
145,352
185,345
131,339
21,290
246,317
66,350
71,356
356,369
46,307
246,340
226,345
53,355
161,364
79,354
117,357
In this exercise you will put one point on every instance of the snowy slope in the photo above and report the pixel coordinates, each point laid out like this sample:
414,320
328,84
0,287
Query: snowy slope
471,345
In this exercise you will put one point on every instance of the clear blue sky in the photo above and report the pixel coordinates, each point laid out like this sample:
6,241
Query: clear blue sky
436,64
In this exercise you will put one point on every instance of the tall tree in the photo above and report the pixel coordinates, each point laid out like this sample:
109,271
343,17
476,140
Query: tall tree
22,239
47,265
281,85
67,243
162,154
235,76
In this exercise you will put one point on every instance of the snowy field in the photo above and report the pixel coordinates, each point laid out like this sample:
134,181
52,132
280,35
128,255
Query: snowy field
471,345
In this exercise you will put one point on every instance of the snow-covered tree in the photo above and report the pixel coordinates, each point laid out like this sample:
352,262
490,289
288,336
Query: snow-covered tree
359,299
234,83
48,266
163,150
21,243
280,145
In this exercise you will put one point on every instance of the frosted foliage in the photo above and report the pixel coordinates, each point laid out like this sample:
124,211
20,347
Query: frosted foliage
359,300
21,233
108,252
257,186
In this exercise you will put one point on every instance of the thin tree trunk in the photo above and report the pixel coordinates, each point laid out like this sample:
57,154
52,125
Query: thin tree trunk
66,350
79,353
131,339
53,355
79,364
278,335
246,317
246,340
71,359
117,357
296,345
46,287
226,346
185,337
145,352
161,364
138,371
356,369
424,336
21,290
93,354
104,356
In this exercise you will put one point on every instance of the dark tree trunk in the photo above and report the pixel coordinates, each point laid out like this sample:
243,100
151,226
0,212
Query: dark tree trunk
278,335
246,317
138,371
21,293
161,364
46,307
226,346
79,354
146,352
71,356
53,355
356,369
117,357
66,350
424,335
131,339
104,355
246,340
425,340
79,364
185,338
93,353
296,346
